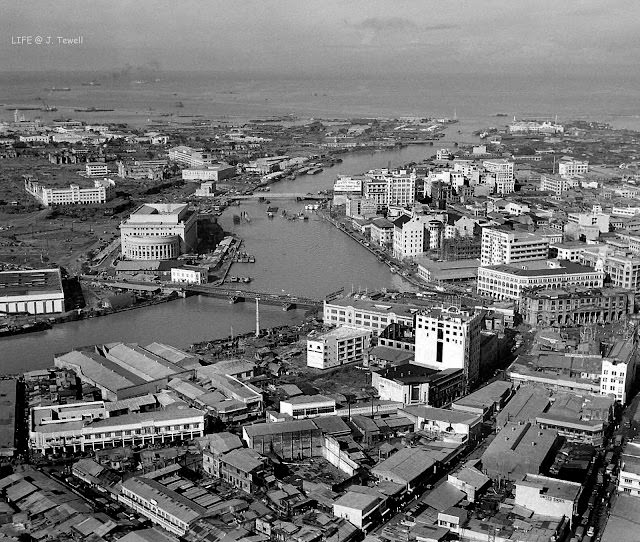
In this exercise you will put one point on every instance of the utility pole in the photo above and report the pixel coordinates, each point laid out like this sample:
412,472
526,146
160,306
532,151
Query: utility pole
257,317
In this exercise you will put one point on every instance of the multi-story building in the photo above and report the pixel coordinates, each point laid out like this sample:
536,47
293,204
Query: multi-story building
101,191
503,171
189,274
619,368
338,347
401,188
80,427
590,220
163,506
506,247
298,439
96,169
575,305
509,281
555,183
192,158
370,315
243,468
570,250
409,236
571,168
37,291
159,231
622,268
449,339
443,421
550,497
346,186
142,169
629,475
308,406
535,127
214,172
382,232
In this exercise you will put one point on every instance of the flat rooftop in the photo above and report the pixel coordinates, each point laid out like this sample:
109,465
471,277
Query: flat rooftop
441,414
536,268
552,487
30,282
342,332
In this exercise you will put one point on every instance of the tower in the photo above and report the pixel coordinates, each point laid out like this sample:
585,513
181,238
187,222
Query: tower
257,317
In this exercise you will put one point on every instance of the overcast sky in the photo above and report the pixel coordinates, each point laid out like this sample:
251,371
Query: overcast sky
324,36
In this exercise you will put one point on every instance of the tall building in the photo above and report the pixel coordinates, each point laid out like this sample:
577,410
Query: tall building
555,183
370,315
337,347
511,247
401,188
409,236
449,339
503,171
101,191
192,158
622,268
570,167
159,231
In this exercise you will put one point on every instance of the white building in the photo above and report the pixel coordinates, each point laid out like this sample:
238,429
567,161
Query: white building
409,236
506,247
369,315
623,268
337,347
619,371
37,291
359,509
346,186
449,339
217,172
401,188
508,281
192,158
159,231
551,497
503,171
555,183
629,475
96,169
594,219
308,406
189,274
571,168
442,421
570,250
79,427
101,191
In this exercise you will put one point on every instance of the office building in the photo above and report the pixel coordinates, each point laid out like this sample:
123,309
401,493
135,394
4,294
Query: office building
451,271
213,172
371,315
449,339
159,231
555,184
629,475
308,406
503,172
575,305
409,236
190,157
568,167
510,247
96,169
619,369
37,291
622,268
101,191
190,274
337,347
510,281
382,232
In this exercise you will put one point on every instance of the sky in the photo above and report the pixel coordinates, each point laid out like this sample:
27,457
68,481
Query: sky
323,37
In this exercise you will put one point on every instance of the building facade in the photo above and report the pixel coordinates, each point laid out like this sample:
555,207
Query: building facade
101,191
37,291
338,347
506,247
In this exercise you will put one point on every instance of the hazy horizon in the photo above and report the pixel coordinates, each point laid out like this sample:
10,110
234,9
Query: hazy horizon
330,38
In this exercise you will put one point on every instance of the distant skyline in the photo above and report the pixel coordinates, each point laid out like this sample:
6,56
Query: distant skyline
325,37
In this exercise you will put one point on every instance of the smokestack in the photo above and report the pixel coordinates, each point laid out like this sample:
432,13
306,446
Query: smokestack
257,317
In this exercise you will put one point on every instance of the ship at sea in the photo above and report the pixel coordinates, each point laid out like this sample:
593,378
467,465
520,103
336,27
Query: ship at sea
91,84
58,89
91,110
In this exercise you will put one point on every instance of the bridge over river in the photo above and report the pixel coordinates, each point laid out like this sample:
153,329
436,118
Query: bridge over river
282,196
237,295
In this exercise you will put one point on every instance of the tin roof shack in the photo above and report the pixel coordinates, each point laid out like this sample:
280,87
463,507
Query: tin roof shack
95,475
470,480
409,467
487,400
518,449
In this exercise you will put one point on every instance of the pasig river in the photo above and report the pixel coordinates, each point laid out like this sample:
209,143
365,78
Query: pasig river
309,258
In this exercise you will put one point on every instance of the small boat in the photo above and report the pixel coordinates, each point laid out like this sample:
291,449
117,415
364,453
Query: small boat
252,259
246,279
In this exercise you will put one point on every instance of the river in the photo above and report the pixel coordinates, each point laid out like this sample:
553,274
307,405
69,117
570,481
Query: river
308,258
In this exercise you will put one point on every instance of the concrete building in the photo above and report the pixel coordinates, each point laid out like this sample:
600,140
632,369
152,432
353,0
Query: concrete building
101,191
308,406
337,347
213,172
413,384
486,401
571,167
629,475
619,369
37,291
80,427
449,339
243,468
8,404
159,231
409,467
401,188
163,506
96,169
575,305
503,171
570,250
409,236
463,426
519,449
367,314
190,274
510,281
509,247
299,439
360,509
142,169
382,232
549,497
623,268
453,271
190,157
555,183
595,220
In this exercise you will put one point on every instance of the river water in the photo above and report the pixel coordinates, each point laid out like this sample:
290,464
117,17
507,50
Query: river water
308,258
